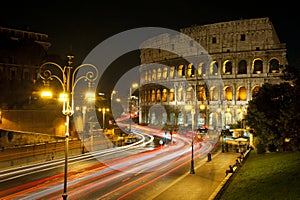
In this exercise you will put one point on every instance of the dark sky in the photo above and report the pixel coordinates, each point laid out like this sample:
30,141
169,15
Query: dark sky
79,26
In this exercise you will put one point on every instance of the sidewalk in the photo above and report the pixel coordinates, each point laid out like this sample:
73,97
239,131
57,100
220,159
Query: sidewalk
208,180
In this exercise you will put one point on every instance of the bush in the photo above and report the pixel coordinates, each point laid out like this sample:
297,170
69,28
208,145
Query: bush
260,148
272,147
259,145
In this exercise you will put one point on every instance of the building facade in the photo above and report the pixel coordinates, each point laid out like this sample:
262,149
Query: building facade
216,69
21,53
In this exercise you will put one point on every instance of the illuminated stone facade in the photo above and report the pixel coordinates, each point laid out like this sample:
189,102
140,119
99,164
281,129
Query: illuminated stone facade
236,59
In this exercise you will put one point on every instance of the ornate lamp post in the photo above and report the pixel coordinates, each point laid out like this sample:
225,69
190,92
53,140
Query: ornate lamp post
68,81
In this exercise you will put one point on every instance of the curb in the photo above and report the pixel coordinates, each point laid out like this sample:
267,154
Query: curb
223,185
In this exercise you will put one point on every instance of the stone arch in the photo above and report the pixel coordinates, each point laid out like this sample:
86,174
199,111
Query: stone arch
180,94
189,94
180,118
156,115
242,67
172,72
241,93
201,93
257,66
158,95
228,93
214,93
165,72
159,73
143,79
153,75
153,95
203,68
180,70
172,95
200,69
190,70
255,90
149,75
227,67
213,69
164,97
273,65
172,118
213,120
228,118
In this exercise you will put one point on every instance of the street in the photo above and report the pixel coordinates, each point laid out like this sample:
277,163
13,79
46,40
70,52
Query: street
115,174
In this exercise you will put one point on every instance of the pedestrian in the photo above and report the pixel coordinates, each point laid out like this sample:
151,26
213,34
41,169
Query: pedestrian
230,170
237,163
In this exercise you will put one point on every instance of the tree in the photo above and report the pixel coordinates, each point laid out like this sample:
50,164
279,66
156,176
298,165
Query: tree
273,114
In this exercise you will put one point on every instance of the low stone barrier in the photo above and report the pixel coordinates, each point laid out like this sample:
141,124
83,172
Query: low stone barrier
11,138
232,169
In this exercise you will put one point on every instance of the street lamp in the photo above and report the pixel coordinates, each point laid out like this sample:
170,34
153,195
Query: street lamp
202,109
103,110
68,81
112,94
189,107
133,85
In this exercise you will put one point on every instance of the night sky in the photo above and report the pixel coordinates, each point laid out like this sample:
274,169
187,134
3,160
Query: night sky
78,26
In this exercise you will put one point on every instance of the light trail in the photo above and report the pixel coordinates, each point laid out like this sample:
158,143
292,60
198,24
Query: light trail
123,172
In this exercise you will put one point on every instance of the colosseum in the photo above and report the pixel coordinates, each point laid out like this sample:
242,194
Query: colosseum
206,74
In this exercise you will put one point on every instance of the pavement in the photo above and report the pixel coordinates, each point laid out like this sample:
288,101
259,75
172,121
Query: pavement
207,182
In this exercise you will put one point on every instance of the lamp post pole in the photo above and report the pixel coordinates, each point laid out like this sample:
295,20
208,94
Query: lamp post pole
103,117
83,126
68,83
130,93
189,107
192,170
133,85
103,110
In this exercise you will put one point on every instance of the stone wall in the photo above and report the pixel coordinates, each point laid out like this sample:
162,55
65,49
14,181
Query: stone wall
36,153
43,121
